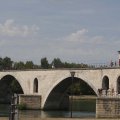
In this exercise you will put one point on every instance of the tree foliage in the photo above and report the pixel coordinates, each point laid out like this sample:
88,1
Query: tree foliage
7,64
44,63
19,65
29,65
15,87
81,88
57,63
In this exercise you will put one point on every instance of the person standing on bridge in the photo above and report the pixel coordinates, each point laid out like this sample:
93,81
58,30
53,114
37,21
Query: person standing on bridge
119,58
111,64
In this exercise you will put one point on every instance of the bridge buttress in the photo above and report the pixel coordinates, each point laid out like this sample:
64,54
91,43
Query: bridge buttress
30,101
108,107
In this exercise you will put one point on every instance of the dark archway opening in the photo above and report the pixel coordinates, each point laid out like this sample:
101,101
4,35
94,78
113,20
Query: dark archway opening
59,97
105,83
118,85
35,85
8,86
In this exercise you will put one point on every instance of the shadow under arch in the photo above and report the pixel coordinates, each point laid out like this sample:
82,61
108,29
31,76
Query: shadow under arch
8,86
105,83
118,85
58,99
35,85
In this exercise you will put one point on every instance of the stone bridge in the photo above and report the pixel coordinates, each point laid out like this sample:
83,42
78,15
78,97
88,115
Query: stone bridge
47,87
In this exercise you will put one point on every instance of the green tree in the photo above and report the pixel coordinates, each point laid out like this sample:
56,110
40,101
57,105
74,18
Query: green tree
7,63
85,89
29,65
44,63
19,65
57,63
36,66
81,88
15,87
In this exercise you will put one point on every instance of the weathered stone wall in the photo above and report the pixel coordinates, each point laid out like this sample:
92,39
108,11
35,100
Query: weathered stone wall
31,101
108,107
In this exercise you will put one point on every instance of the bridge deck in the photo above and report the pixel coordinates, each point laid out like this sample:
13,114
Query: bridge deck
96,68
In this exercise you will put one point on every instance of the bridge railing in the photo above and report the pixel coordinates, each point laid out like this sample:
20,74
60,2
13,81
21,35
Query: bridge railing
104,65
109,94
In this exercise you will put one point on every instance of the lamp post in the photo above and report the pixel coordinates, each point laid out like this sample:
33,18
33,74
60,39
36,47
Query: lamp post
72,76
14,109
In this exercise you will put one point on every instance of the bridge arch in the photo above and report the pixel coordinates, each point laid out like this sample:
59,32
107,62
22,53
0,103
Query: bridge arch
58,97
9,85
105,83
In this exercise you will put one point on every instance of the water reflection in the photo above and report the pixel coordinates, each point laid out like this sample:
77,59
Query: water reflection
55,114
4,110
81,109
37,115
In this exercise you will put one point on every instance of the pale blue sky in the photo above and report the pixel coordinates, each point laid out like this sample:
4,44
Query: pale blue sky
85,31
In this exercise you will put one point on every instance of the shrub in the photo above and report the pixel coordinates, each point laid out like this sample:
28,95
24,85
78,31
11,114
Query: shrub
22,106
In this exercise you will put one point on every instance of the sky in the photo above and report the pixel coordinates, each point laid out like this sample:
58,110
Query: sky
80,31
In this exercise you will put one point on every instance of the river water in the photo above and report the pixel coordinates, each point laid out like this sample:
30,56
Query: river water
80,109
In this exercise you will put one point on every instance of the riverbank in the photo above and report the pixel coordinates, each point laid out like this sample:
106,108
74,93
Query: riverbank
5,118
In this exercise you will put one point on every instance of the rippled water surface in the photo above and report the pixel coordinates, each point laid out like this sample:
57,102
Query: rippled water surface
81,109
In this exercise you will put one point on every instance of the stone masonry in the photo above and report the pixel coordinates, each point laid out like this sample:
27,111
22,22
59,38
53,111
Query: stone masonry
107,107
31,101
